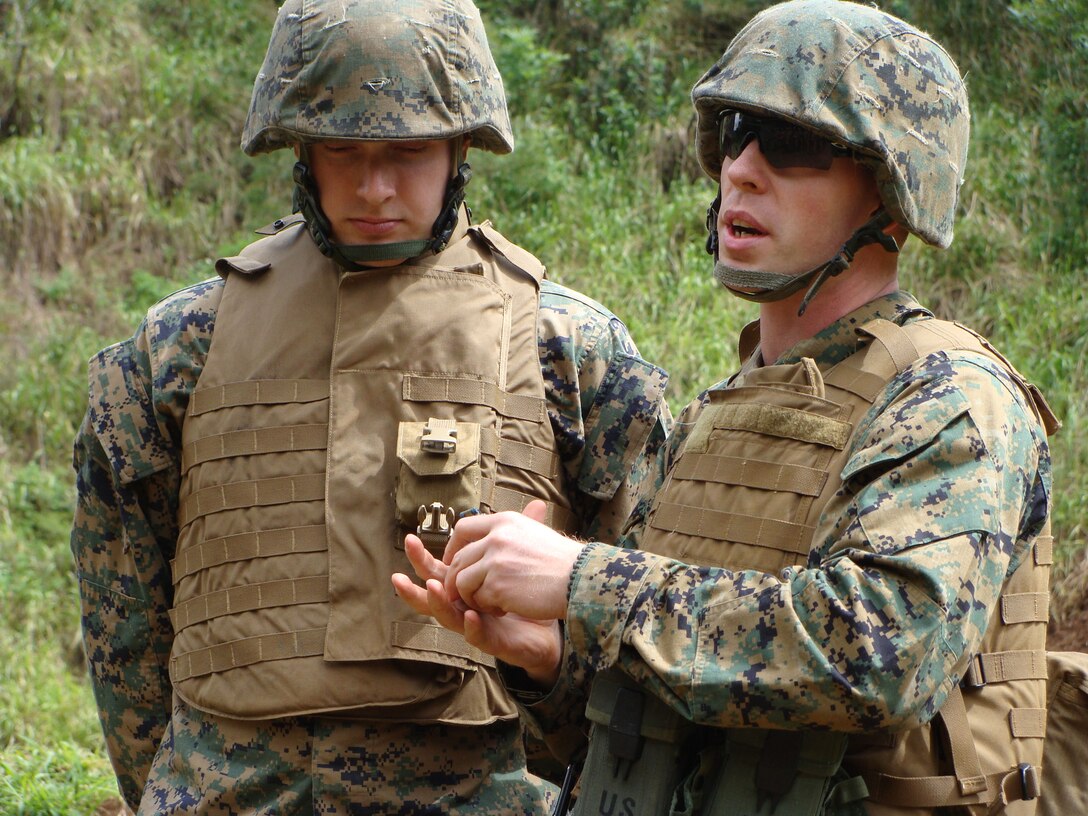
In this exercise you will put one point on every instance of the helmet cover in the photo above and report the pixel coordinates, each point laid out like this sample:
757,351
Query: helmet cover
377,70
861,78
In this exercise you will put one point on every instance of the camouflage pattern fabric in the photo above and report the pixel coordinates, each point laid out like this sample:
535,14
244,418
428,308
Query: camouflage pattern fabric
604,400
875,630
859,77
426,72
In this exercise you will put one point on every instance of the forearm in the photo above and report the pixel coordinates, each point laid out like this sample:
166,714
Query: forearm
124,593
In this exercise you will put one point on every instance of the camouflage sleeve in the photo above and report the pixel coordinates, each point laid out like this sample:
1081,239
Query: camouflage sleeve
607,406
124,529
947,486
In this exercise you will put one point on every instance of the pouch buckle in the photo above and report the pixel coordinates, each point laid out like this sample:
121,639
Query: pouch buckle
439,436
435,524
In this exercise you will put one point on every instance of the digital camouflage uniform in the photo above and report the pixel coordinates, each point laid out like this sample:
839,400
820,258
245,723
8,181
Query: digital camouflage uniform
901,588
603,402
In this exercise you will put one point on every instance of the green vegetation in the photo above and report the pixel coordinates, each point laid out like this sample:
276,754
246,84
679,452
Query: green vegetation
120,178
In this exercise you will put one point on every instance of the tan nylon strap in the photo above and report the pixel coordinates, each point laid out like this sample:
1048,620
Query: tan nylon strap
499,499
473,392
854,380
1044,550
718,525
1025,607
783,422
247,651
1028,723
895,342
428,637
735,470
255,441
285,592
1001,667
965,765
256,493
521,455
943,791
244,546
256,392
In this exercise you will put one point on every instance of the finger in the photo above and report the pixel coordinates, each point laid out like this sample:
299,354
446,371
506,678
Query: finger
442,610
537,510
413,595
425,564
467,530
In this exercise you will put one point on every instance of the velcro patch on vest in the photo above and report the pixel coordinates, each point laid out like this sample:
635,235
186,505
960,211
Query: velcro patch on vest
782,421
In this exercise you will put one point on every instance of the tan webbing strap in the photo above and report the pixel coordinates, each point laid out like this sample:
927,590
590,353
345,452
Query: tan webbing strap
965,765
256,392
521,455
247,651
244,546
854,380
718,525
735,470
255,441
1025,607
505,498
1044,550
255,493
938,791
473,392
780,421
1028,723
285,592
428,637
999,667
900,348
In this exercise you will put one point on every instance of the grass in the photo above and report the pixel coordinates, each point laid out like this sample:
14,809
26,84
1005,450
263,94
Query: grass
121,178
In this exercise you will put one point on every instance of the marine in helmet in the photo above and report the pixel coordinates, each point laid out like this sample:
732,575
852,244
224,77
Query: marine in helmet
836,602
376,364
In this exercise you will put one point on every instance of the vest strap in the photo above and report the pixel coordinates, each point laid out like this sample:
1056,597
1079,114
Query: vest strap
1028,723
255,441
719,525
521,455
256,493
244,546
1025,607
256,392
1001,667
427,637
504,498
751,472
245,652
943,791
467,391
852,379
900,348
285,592
965,763
1044,550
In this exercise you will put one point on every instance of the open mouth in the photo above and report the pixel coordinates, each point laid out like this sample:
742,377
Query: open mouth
743,229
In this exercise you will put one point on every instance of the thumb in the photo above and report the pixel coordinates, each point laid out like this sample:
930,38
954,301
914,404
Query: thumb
537,510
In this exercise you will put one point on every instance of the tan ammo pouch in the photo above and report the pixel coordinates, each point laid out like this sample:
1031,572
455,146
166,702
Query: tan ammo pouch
787,773
438,477
636,751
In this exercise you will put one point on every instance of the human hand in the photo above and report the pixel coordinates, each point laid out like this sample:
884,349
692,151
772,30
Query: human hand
510,563
533,645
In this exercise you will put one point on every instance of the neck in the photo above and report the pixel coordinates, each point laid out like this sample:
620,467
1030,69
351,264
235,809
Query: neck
780,329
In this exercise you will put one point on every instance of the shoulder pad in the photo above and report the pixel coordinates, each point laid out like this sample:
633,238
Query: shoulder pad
241,264
279,224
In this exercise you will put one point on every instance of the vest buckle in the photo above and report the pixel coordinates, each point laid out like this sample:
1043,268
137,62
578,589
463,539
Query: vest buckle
439,436
435,525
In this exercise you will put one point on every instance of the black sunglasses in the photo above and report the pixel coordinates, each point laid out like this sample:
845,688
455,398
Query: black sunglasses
781,143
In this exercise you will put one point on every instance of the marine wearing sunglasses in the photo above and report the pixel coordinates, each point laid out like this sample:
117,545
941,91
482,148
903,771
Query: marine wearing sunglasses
783,144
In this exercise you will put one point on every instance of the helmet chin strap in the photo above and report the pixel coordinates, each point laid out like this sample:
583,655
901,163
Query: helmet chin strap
764,287
354,257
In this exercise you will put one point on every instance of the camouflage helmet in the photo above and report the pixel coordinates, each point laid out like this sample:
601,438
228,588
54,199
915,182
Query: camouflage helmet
377,70
858,77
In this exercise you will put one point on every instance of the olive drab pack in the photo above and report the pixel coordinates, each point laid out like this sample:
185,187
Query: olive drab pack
336,412
757,472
